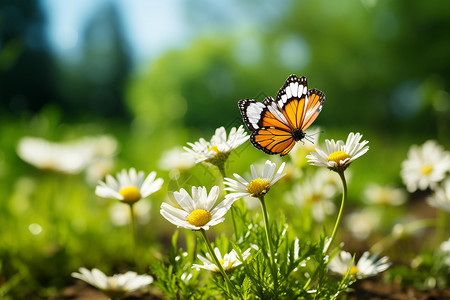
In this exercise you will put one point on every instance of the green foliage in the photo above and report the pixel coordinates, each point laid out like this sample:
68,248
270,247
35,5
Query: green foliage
384,69
426,271
175,278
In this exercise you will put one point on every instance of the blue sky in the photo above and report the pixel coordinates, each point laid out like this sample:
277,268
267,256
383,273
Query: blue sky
151,26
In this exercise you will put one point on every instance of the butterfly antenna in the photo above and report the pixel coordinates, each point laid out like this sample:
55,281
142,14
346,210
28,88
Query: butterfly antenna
309,139
309,136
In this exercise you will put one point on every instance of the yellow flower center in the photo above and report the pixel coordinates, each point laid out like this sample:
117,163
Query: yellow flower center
426,169
338,156
353,270
258,187
384,196
214,148
199,217
316,197
130,194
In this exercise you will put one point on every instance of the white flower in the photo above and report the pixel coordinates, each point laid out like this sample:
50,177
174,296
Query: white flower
228,261
196,212
362,223
316,196
218,149
330,180
258,185
102,146
120,214
98,170
366,266
129,186
68,158
337,156
441,197
444,250
425,166
177,159
386,195
445,247
117,285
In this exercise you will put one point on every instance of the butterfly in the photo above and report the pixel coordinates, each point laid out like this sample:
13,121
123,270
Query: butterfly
277,124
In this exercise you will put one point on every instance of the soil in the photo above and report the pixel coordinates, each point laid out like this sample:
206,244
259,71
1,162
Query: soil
372,290
368,289
83,291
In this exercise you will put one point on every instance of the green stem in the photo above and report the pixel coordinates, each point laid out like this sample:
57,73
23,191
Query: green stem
269,244
328,243
441,225
234,222
221,167
132,230
230,287
341,209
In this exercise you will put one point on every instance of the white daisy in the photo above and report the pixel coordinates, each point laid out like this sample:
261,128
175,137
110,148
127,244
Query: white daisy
385,195
366,266
219,148
316,196
129,187
330,180
197,212
362,223
120,214
98,170
176,159
116,285
444,250
425,166
441,197
70,158
258,185
102,146
337,156
445,247
229,261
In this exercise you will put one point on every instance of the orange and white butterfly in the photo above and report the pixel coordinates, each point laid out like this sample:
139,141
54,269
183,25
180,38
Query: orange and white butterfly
277,125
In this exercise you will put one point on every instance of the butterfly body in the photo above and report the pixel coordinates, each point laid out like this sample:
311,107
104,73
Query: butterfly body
277,124
298,134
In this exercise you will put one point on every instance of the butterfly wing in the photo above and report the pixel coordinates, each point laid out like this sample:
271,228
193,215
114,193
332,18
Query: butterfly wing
271,130
316,99
291,99
273,140
272,122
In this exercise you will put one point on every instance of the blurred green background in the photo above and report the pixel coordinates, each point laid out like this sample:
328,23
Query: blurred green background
155,75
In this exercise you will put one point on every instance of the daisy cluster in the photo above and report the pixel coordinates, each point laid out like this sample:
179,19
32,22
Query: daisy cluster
428,167
201,208
258,256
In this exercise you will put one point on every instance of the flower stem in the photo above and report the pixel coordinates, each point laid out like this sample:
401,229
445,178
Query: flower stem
132,230
269,244
234,222
341,209
221,167
328,243
441,225
230,287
